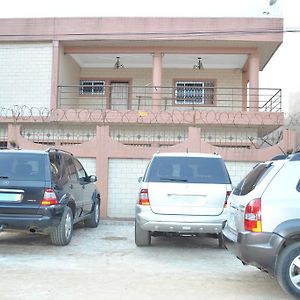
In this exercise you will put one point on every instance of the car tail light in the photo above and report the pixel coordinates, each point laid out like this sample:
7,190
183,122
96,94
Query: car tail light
144,197
226,198
49,197
252,219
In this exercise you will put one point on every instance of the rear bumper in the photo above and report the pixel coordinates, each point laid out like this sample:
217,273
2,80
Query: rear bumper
181,224
46,220
256,249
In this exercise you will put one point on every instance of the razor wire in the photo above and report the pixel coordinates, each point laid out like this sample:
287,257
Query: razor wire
198,118
176,116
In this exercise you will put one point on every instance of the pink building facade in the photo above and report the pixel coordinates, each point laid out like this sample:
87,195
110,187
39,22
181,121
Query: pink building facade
116,90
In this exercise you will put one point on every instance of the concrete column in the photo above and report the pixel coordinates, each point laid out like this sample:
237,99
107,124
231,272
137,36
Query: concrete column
13,133
54,79
194,140
156,81
102,134
253,82
244,90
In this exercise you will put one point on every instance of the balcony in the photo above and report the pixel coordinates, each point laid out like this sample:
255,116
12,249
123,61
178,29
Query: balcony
124,97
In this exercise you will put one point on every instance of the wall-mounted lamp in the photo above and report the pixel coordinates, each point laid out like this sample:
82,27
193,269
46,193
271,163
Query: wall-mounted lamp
199,65
118,64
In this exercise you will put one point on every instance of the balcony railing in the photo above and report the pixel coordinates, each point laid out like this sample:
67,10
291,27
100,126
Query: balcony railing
128,97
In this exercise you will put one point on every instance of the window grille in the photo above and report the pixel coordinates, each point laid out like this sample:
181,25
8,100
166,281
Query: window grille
194,92
92,87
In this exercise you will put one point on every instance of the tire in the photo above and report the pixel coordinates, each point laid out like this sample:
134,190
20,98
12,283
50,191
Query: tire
93,220
142,237
288,269
62,235
221,241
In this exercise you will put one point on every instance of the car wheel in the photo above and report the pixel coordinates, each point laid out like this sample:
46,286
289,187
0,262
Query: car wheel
93,220
62,235
142,237
288,269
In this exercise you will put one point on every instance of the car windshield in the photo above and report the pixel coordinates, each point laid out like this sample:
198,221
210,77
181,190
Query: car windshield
22,166
188,169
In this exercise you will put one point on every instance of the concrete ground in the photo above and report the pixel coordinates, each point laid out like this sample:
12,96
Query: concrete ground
104,263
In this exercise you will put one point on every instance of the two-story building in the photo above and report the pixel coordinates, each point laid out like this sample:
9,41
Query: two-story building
116,90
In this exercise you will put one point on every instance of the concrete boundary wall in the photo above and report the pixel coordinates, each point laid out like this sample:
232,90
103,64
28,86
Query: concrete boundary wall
102,148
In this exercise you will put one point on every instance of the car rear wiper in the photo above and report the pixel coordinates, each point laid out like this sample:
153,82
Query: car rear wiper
173,179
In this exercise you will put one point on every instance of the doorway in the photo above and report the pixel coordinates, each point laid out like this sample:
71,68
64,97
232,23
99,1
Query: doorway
119,95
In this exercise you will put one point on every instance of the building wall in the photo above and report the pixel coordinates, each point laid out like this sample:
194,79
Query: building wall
123,186
69,74
149,134
118,166
25,74
230,135
57,134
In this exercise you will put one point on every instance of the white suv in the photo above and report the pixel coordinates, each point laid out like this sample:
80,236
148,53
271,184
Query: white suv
182,194
263,227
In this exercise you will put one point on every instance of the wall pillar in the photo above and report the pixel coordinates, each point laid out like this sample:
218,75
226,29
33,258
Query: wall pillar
13,133
244,90
253,82
156,81
54,79
102,136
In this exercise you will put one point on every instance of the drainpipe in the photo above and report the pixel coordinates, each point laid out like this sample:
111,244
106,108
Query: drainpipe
156,80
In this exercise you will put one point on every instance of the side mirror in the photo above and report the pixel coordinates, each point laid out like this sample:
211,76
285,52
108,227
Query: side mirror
140,179
92,178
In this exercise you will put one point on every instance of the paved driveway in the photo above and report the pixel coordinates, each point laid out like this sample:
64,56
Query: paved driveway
104,263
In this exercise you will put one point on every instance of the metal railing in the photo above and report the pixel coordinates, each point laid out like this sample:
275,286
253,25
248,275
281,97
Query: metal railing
169,98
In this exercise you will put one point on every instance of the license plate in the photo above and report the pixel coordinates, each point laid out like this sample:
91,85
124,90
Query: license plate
10,197
188,199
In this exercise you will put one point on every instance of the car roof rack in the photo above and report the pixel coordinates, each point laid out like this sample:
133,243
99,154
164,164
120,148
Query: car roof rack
56,150
295,156
280,157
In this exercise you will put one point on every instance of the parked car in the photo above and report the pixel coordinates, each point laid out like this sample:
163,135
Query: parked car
182,194
46,192
263,226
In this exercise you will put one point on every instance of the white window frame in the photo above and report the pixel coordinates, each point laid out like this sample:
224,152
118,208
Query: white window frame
92,87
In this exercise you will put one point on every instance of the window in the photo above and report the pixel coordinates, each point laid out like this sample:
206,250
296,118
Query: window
188,169
55,166
80,170
23,167
194,92
252,179
92,87
71,168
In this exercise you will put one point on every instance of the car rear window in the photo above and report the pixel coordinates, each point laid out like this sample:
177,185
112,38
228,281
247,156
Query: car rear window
188,169
252,179
22,166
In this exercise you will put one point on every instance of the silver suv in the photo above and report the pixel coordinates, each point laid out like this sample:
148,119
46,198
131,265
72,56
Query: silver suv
263,227
182,194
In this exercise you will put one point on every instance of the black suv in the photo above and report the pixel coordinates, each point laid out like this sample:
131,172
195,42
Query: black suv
46,192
